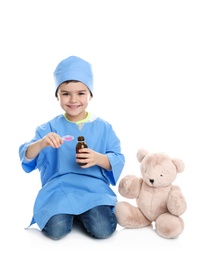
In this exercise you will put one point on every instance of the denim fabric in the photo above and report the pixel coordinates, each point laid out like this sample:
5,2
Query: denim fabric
99,222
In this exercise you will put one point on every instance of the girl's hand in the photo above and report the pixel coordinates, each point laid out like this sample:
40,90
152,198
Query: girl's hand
52,139
90,158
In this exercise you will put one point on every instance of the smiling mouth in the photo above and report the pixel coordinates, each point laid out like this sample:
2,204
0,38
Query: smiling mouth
73,107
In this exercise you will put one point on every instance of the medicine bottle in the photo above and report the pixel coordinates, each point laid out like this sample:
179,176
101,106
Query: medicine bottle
81,144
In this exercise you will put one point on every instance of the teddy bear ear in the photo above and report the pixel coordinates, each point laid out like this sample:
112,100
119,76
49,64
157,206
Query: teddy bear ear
179,164
141,154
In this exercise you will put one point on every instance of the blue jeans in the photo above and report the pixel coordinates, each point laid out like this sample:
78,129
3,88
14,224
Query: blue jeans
99,222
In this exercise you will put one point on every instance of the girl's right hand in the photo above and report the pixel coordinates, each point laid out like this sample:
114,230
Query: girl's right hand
52,139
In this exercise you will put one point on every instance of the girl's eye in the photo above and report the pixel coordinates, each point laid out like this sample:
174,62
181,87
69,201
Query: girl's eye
81,93
65,94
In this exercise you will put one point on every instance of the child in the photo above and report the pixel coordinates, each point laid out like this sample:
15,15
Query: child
72,193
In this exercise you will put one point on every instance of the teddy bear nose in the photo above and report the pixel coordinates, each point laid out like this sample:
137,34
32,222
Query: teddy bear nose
151,181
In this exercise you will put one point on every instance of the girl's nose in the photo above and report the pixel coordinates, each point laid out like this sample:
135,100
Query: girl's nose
72,98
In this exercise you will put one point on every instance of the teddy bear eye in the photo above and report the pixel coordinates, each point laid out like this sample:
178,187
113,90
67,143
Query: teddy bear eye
161,175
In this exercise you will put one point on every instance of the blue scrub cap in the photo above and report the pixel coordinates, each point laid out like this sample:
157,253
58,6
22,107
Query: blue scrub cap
74,68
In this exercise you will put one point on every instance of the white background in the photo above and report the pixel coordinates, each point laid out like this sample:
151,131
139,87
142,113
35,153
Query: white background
149,60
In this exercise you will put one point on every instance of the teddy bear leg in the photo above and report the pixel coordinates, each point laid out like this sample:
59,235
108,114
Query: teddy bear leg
169,226
129,216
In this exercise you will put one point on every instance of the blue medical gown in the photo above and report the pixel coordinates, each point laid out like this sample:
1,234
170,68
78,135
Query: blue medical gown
66,187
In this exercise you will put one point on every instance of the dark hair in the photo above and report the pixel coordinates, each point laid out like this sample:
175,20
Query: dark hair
67,81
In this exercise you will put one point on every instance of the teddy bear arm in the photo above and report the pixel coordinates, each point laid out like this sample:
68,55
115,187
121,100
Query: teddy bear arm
176,203
129,186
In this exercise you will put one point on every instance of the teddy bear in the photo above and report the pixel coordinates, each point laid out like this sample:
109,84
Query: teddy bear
157,202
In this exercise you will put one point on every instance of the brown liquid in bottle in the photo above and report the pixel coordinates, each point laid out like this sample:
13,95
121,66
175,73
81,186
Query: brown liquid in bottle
81,144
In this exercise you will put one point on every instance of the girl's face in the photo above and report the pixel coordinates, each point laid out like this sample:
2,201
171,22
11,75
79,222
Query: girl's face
74,98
